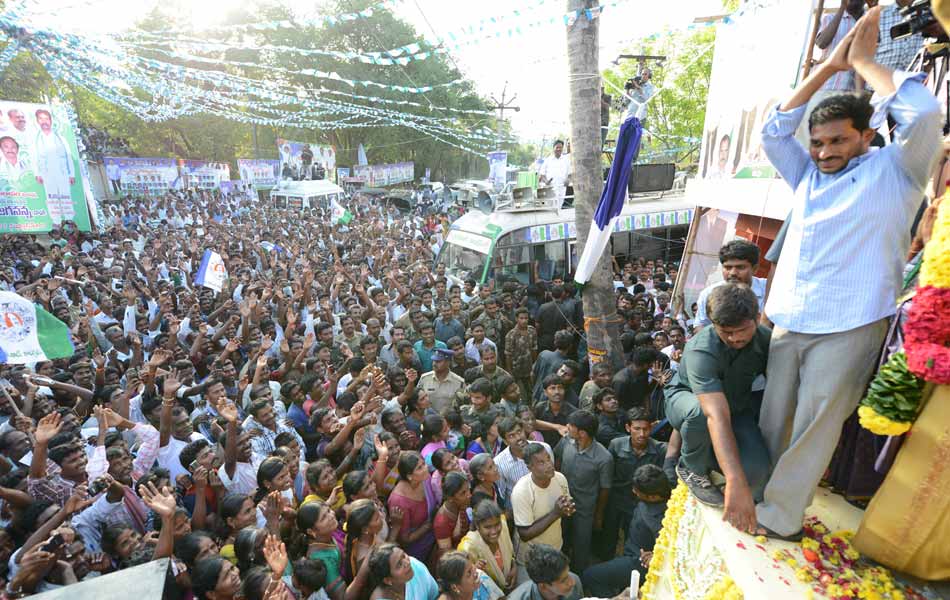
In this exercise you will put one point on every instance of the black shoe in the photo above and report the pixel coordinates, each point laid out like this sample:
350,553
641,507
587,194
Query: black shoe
701,487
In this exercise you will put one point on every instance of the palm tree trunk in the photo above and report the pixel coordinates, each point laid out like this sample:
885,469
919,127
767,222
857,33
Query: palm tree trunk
601,320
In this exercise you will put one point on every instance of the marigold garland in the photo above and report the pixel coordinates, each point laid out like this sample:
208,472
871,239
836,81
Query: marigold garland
935,270
666,540
879,424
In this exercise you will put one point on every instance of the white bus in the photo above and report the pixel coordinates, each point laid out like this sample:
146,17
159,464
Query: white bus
532,245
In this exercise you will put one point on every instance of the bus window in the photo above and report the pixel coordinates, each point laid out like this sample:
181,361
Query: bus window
462,263
551,260
512,263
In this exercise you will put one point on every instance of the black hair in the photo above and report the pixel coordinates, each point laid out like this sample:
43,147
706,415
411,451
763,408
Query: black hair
530,451
839,107
204,576
408,461
544,563
552,379
599,397
229,508
190,452
731,305
637,413
507,425
60,453
188,547
361,515
267,470
353,482
379,563
310,572
484,510
438,457
650,480
450,570
315,470
563,340
307,516
573,365
585,421
246,550
481,386
257,406
739,249
26,521
286,438
453,483
431,428
255,582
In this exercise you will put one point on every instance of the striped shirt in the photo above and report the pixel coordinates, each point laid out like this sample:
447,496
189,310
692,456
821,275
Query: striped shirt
842,80
512,468
849,231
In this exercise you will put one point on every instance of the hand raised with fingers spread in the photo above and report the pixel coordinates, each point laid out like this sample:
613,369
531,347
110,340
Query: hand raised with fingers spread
48,426
162,502
275,553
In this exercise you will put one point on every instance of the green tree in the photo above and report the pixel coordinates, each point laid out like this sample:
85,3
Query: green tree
675,115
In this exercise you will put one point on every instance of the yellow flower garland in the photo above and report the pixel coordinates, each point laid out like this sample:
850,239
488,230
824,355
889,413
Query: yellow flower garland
879,424
724,589
665,541
935,269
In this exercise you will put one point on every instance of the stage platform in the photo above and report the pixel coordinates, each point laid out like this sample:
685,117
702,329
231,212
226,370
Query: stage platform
699,556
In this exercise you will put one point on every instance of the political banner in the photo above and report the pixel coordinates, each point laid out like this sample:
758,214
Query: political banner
300,161
204,175
261,174
732,143
383,175
342,173
497,169
41,183
141,176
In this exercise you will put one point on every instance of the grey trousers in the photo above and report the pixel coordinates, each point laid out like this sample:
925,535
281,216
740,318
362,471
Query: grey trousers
815,382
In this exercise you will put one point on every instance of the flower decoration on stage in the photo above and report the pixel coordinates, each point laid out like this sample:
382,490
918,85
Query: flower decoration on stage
664,548
927,332
834,569
893,398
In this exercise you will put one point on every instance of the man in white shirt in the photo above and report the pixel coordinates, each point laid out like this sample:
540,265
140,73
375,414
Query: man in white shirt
556,170
54,168
739,259
539,501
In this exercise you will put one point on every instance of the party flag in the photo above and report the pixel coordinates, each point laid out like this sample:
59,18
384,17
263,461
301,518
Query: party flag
212,273
611,200
340,214
29,334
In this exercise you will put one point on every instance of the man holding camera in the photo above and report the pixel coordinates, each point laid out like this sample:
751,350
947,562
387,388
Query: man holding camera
839,274
640,89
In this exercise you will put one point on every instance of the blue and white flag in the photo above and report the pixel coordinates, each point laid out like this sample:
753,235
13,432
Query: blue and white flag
611,200
212,273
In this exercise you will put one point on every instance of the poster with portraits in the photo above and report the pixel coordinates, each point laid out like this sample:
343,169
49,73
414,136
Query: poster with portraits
261,174
757,62
301,161
41,174
143,176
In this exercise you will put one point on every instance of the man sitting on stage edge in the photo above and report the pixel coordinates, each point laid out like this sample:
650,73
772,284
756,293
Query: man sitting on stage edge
709,401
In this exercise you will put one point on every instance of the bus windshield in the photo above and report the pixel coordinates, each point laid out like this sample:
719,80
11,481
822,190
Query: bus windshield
464,255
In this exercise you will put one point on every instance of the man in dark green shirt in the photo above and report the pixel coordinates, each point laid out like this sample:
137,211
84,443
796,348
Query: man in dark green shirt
709,401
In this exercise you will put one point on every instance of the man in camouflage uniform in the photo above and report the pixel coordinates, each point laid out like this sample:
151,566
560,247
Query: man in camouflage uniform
496,325
521,345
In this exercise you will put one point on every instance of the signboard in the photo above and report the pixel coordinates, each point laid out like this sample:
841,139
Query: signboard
41,182
497,169
568,230
382,175
300,161
261,174
204,175
342,174
138,176
472,241
731,145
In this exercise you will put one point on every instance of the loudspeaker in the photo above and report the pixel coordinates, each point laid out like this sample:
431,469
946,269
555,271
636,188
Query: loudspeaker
651,178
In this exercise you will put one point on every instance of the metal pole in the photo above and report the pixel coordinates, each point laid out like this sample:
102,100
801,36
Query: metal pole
811,38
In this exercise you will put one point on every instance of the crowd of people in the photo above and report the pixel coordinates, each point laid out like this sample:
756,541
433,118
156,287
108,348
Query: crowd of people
340,421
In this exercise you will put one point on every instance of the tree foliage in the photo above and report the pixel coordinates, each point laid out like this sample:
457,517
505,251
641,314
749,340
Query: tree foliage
675,115
216,138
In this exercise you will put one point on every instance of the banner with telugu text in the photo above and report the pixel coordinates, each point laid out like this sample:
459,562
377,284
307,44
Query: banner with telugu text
41,182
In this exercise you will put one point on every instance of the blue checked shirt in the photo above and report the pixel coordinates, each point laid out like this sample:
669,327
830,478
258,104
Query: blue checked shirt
849,232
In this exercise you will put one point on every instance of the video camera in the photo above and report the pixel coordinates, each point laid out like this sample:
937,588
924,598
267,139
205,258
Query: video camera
916,17
633,82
